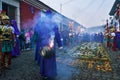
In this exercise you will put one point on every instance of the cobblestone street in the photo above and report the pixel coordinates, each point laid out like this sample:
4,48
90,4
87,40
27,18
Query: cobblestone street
24,67
60,40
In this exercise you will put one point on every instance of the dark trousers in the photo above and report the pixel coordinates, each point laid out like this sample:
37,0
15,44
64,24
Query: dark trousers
6,59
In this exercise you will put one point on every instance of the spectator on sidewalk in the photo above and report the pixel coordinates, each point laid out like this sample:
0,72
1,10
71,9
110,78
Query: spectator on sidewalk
22,40
27,40
31,38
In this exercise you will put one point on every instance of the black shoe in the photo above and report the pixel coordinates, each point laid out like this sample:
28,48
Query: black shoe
8,68
50,78
0,74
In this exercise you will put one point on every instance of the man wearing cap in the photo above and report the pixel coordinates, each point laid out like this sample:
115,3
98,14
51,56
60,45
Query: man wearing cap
8,37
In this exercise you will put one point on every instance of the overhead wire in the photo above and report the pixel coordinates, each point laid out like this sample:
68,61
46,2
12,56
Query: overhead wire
98,9
100,6
69,1
88,6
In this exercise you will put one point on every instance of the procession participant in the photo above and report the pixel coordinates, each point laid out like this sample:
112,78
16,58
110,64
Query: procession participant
8,37
0,18
101,37
71,33
47,32
118,39
113,38
16,48
107,38
107,33
0,35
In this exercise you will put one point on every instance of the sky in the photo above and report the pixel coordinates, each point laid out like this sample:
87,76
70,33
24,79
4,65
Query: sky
89,13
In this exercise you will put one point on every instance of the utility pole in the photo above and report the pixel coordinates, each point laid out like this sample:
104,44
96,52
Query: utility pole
65,3
60,7
60,13
61,10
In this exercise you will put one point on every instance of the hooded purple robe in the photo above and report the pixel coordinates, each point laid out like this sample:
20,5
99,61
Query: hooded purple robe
16,48
47,66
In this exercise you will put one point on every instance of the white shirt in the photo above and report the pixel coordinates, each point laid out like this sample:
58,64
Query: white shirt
113,34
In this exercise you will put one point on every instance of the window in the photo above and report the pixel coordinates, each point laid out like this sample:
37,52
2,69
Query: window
32,9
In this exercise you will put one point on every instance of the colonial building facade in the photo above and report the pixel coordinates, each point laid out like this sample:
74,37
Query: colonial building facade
12,7
24,11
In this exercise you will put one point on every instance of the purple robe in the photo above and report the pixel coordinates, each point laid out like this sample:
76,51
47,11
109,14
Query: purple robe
47,66
16,48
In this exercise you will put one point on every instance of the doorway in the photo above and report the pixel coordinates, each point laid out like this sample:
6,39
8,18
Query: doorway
10,10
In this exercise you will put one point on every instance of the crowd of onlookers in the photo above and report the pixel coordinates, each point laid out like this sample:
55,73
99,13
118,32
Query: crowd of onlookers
73,38
26,39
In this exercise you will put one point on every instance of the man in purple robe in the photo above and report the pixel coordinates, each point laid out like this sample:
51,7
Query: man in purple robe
45,31
16,48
